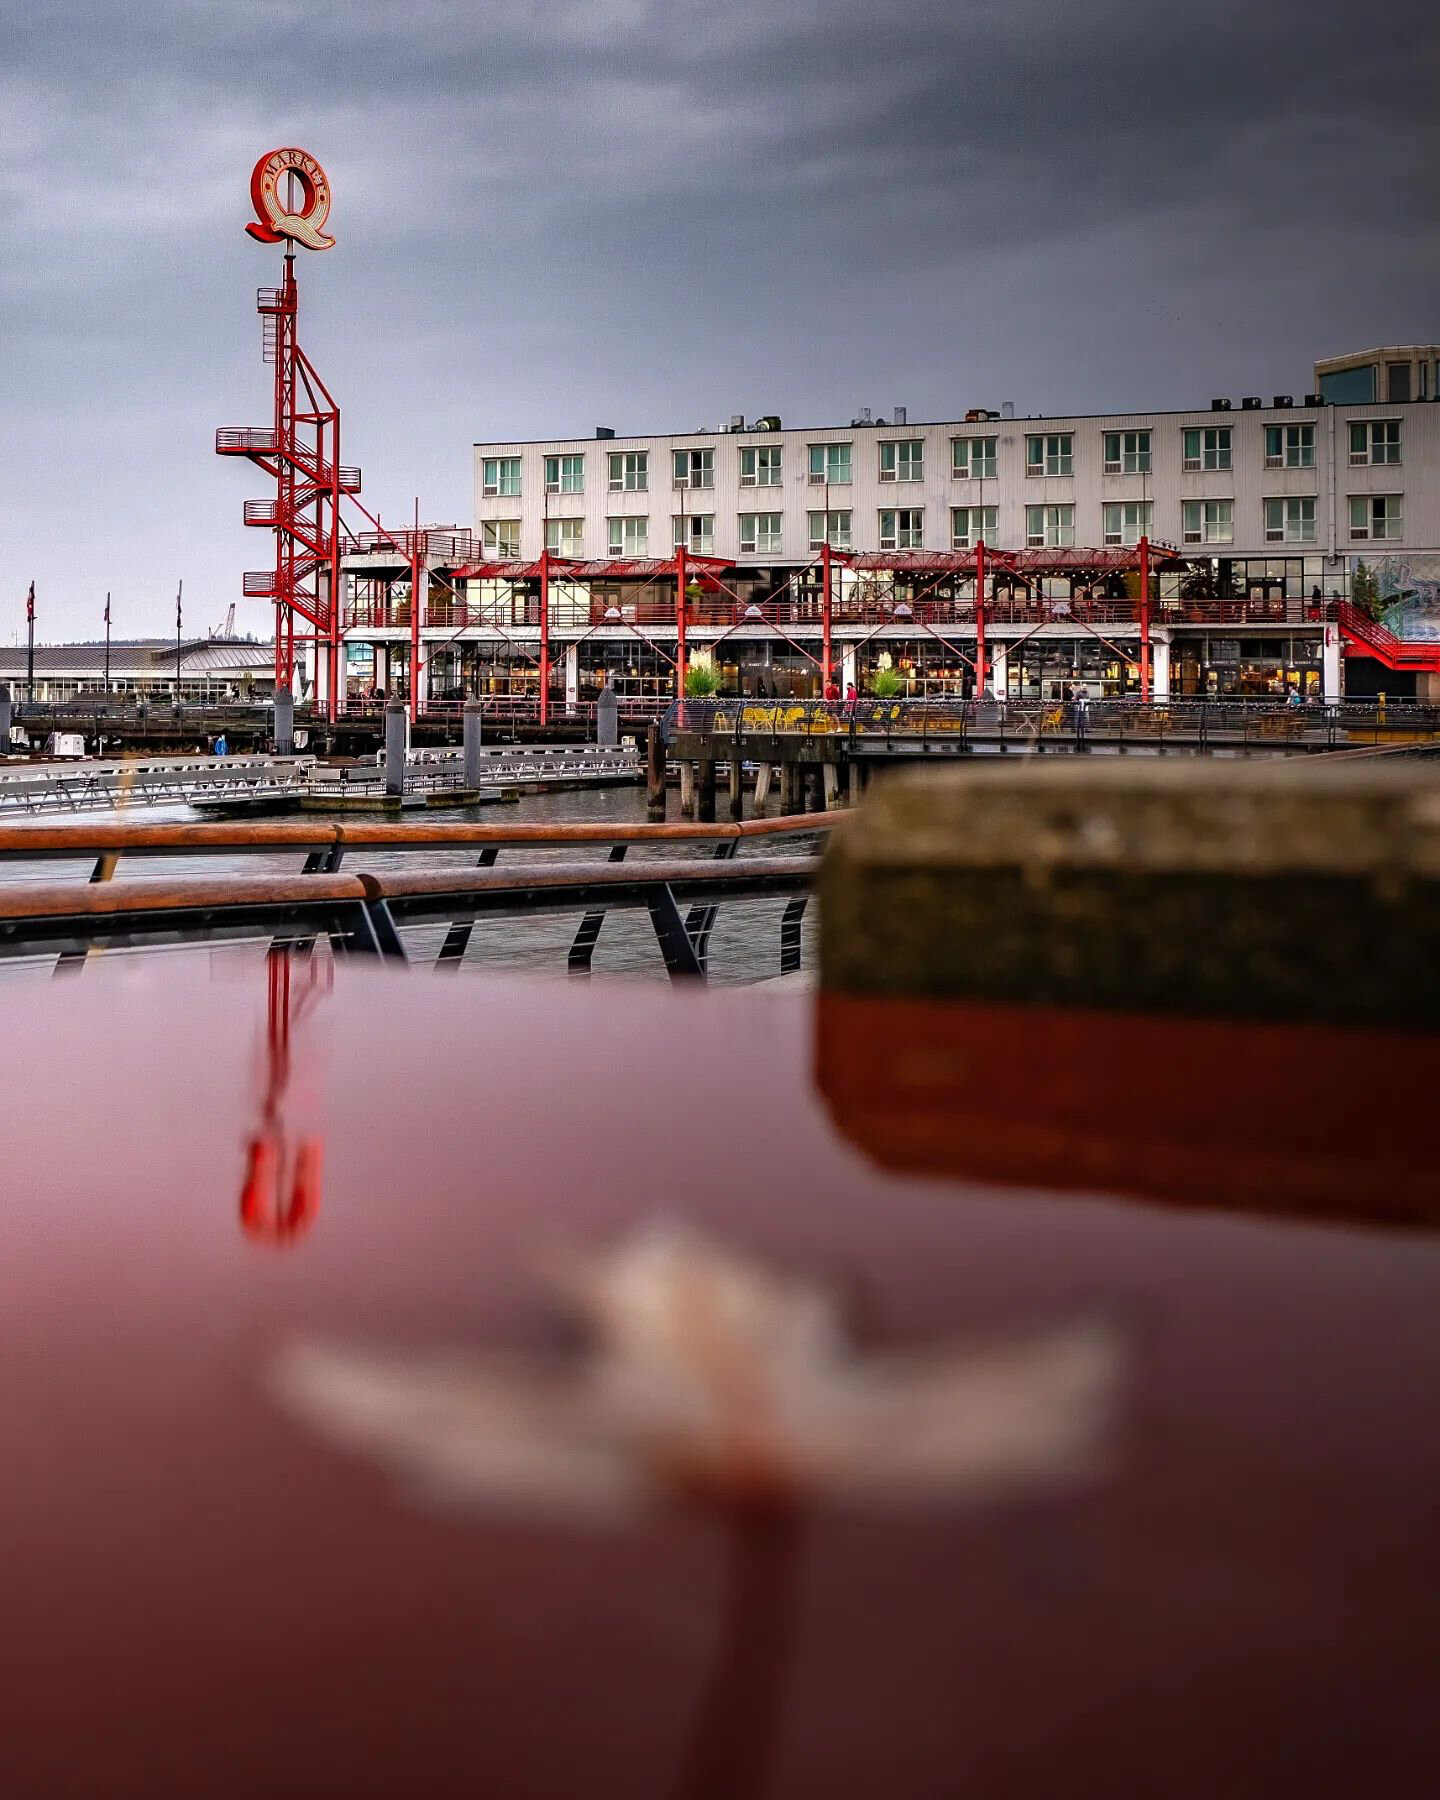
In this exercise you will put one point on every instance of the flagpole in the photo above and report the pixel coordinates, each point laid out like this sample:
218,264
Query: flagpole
107,644
178,616
30,655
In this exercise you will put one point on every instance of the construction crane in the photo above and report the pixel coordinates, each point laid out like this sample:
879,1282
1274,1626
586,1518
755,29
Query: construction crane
227,630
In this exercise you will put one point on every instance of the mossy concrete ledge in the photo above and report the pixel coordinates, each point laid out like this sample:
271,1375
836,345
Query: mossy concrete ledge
1295,890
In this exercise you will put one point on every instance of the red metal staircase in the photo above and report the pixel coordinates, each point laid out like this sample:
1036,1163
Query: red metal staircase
300,453
1364,636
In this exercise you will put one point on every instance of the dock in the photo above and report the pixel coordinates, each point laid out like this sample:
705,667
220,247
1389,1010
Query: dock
268,786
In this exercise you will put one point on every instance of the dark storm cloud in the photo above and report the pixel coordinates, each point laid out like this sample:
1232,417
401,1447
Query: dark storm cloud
657,214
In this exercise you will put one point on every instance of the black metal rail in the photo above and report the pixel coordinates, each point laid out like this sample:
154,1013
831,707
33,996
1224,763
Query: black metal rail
363,914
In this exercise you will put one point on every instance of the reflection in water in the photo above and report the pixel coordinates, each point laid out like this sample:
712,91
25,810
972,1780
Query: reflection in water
713,1383
280,1194
1252,1116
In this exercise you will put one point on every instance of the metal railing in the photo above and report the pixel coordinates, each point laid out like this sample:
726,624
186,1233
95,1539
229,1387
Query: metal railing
1202,723
363,913
655,605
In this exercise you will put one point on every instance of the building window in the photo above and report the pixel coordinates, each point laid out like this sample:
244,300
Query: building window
629,471
1206,447
1289,521
1289,446
1127,452
1127,521
694,468
501,477
838,527
903,529
760,466
500,539
629,537
760,532
1208,521
1049,527
969,525
903,461
564,474
695,532
830,462
566,536
1053,455
1376,516
1374,441
974,459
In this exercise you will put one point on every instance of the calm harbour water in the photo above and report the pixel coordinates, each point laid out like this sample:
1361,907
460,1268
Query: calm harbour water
744,947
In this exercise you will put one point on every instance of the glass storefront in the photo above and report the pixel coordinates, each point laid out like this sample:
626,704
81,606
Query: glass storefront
1211,665
1043,668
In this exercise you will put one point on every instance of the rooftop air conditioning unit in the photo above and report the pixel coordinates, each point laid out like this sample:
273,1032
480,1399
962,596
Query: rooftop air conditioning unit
767,422
864,418
1221,405
1283,400
1251,403
898,415
1314,399
604,431
975,414
737,421
1007,409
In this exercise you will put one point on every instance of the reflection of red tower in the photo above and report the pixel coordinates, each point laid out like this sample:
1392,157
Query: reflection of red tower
301,453
280,1195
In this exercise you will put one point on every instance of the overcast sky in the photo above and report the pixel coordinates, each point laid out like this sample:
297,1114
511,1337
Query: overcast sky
652,215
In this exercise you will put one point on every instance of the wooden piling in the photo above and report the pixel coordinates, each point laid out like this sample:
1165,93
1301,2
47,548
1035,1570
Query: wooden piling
687,790
656,795
737,788
763,776
705,792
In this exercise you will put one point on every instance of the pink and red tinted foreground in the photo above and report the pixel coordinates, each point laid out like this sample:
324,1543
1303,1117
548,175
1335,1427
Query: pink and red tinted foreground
305,1493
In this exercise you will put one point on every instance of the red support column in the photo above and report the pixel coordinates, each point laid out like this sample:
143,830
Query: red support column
1145,618
826,612
544,639
415,628
680,604
980,653
333,653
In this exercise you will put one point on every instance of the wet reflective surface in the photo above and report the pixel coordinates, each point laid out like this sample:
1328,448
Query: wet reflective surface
206,1594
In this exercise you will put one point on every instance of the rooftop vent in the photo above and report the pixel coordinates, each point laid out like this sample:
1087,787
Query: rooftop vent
604,431
767,422
737,421
898,415
1220,405
1251,403
864,418
1283,400
1007,409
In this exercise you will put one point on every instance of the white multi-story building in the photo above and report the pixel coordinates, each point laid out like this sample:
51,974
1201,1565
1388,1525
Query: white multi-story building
1311,485
1254,517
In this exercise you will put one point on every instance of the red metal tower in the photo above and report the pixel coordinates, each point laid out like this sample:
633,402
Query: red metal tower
300,451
